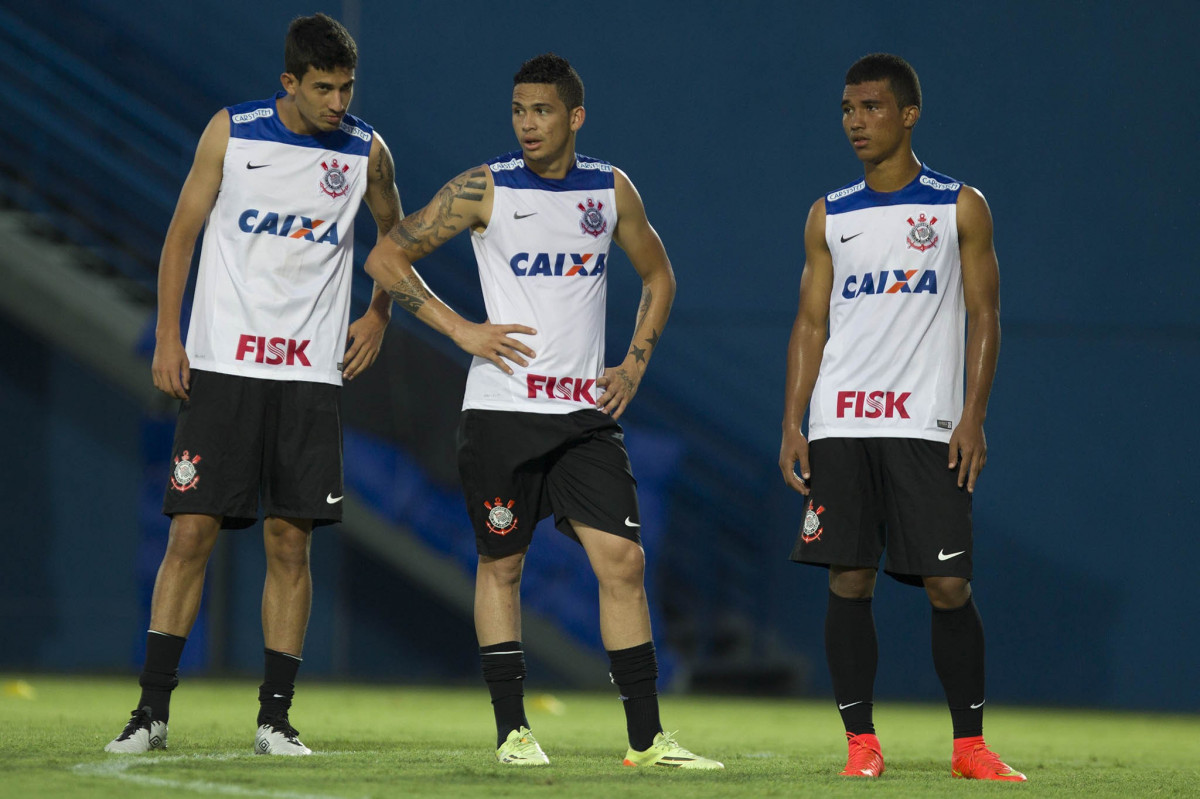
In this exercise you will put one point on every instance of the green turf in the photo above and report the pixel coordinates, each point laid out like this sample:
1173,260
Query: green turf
378,741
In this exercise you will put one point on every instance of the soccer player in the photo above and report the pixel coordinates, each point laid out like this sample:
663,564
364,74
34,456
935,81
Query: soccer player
276,183
538,433
894,261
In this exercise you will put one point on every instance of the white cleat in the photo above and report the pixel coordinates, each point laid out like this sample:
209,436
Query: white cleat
141,734
279,737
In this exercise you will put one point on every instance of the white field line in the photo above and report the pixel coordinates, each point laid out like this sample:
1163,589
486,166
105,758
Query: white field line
121,767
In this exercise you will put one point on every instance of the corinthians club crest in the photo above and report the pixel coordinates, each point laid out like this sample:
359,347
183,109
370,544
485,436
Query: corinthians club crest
334,182
183,474
922,236
593,222
812,524
501,520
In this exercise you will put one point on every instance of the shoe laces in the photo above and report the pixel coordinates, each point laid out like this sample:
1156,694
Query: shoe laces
984,756
281,725
139,719
669,742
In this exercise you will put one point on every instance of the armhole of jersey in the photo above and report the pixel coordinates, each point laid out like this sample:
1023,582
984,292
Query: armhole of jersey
483,233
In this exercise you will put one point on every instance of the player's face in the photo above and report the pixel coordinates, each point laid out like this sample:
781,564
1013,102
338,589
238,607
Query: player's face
543,124
875,124
322,97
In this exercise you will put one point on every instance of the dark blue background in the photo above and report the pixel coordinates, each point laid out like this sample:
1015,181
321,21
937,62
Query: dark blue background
1075,119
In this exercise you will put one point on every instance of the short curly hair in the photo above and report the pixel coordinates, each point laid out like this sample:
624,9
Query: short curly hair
551,68
319,42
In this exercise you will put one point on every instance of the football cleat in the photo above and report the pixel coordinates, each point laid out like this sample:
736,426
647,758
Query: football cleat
520,748
666,751
972,760
141,734
278,737
866,756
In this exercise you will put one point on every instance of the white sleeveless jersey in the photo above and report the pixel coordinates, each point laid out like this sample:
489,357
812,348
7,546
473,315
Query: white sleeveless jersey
543,263
272,295
893,365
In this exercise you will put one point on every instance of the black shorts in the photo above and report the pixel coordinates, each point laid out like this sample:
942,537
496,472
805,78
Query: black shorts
518,468
869,494
241,437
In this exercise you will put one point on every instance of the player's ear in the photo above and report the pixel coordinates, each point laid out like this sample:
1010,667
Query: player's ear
290,84
910,114
577,116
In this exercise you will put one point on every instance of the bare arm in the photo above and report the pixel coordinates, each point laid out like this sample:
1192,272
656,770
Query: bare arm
365,335
464,202
981,294
637,237
806,347
170,369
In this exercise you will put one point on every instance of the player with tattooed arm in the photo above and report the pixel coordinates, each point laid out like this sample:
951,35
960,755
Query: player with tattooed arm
538,433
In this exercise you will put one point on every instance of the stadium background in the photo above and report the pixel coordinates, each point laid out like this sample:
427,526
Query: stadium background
1073,119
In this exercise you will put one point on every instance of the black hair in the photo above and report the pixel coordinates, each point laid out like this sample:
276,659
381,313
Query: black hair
551,68
319,42
901,77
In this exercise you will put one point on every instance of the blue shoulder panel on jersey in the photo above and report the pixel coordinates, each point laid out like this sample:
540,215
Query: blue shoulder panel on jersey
927,188
257,120
509,170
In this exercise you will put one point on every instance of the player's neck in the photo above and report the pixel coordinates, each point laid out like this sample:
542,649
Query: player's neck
290,117
892,173
554,168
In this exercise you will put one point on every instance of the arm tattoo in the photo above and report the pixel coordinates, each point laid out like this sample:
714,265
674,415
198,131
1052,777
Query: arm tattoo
647,298
409,293
653,338
384,178
426,230
638,353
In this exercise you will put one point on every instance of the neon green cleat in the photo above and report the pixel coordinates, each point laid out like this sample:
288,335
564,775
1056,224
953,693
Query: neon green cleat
520,748
666,751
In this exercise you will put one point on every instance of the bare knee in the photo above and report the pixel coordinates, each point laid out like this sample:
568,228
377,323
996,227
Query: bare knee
502,572
621,567
191,539
287,543
947,593
852,583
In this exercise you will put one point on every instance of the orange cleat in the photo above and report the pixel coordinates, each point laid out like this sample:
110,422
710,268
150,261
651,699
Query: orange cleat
866,756
972,760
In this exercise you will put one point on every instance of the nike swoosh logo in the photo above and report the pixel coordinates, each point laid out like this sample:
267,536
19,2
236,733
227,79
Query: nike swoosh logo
522,216
976,707
851,704
631,523
332,500
255,166
943,556
847,238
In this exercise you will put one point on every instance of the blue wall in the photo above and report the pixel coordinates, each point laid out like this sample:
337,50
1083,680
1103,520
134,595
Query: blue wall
1072,118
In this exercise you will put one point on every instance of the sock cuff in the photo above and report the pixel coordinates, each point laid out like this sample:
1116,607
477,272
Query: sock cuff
635,666
970,603
275,652
167,635
838,599
502,648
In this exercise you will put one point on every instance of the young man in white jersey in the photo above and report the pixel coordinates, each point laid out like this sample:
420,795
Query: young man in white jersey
893,263
276,184
538,434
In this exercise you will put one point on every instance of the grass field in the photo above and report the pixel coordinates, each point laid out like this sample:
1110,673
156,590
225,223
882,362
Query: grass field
374,741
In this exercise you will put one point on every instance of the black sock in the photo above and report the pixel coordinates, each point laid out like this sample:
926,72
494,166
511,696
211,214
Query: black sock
852,651
160,674
504,672
635,673
957,637
279,685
